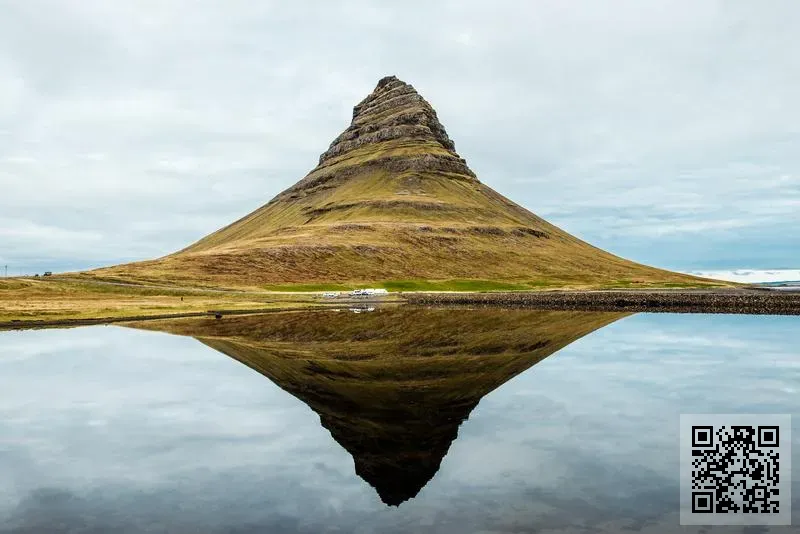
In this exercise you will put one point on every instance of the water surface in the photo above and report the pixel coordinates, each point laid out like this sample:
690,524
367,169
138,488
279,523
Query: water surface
398,420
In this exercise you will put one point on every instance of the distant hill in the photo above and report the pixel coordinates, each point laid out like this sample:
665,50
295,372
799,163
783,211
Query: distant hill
392,200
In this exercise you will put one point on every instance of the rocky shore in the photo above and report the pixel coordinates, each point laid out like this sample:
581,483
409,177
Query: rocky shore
742,301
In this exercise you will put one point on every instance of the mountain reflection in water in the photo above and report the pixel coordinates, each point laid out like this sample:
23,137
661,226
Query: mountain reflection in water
392,386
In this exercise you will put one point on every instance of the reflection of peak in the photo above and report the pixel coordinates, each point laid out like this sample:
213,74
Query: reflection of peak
393,386
403,449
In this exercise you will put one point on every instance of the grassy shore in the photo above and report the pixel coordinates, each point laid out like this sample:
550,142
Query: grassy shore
69,298
61,298
485,285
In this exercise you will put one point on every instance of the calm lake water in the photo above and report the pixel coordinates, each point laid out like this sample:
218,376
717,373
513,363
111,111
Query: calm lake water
398,420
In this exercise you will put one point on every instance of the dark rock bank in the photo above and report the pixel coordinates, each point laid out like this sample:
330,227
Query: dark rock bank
743,301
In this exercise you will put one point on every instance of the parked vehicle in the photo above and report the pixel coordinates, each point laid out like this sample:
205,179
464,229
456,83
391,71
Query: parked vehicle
368,292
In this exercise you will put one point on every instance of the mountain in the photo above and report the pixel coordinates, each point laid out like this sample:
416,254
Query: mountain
391,199
392,386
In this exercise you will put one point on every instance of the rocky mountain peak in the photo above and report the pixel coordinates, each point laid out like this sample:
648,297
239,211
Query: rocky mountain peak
393,111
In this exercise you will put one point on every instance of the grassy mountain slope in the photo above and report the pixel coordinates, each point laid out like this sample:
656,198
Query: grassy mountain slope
392,200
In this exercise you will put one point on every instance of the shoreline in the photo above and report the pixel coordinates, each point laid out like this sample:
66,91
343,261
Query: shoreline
742,301
731,301
33,324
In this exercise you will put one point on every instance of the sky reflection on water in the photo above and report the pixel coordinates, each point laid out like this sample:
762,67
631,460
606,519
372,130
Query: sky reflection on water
108,428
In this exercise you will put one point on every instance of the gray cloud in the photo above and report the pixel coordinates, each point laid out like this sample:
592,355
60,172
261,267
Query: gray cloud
128,130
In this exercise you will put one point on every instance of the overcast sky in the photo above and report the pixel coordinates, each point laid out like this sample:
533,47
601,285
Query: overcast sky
666,132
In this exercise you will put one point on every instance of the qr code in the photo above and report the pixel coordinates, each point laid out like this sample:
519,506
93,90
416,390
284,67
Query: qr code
735,469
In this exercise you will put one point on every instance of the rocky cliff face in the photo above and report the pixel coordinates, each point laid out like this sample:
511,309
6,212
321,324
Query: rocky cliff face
393,115
394,110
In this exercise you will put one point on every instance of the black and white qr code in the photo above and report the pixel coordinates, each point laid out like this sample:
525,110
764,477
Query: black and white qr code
737,469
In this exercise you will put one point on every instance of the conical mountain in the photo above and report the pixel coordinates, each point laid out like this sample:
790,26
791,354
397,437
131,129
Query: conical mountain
392,386
391,199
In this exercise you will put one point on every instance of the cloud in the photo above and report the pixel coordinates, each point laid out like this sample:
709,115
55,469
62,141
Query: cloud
640,127
753,276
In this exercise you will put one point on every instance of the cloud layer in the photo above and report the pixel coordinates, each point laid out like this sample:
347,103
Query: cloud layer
753,276
664,132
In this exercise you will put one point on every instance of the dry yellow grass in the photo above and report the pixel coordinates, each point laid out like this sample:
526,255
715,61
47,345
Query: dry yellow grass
65,299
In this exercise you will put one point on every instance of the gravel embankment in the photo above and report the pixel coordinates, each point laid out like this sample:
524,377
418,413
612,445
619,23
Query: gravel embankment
748,301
